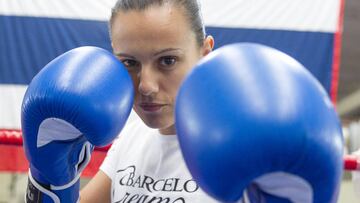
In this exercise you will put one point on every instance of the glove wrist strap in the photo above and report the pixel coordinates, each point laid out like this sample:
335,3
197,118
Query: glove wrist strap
40,193
35,192
47,193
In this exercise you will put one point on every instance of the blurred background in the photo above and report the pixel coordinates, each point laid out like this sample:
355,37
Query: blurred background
324,35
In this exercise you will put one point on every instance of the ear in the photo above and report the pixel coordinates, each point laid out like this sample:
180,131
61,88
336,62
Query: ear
208,45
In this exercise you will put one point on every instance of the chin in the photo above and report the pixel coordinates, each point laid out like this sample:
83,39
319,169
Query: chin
153,125
152,122
163,125
159,121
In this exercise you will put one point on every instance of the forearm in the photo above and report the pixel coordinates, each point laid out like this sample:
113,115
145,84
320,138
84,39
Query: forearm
97,190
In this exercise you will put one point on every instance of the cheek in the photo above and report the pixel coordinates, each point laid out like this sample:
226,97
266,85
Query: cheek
187,67
176,83
176,79
135,81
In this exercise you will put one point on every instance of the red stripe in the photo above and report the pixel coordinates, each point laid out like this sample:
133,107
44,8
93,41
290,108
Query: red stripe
13,160
13,157
14,137
337,54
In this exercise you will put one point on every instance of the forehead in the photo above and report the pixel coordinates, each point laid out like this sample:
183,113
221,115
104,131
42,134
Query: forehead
154,26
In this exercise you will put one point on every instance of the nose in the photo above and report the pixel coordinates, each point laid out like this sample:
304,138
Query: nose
148,84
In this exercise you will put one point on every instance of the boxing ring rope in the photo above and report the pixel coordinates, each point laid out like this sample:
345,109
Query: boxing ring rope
14,137
13,158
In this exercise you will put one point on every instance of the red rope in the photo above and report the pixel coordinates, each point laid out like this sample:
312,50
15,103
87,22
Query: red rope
14,137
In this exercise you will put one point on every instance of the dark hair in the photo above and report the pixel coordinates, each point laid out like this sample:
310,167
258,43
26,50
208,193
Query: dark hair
191,7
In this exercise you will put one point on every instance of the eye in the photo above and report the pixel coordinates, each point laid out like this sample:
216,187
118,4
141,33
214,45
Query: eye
167,61
130,64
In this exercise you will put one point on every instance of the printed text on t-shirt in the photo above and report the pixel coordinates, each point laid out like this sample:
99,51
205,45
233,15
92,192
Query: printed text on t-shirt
155,190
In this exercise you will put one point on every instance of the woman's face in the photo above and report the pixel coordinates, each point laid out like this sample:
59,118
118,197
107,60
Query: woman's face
158,48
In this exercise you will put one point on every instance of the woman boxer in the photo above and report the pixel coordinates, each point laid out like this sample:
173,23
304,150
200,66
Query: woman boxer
158,41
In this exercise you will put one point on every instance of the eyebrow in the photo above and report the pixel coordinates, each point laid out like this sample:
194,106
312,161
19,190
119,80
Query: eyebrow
167,50
155,54
123,55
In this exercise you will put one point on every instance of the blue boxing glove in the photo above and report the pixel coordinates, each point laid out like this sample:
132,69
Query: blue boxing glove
79,100
253,123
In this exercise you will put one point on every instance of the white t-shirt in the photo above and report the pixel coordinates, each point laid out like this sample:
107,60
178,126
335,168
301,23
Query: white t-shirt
145,167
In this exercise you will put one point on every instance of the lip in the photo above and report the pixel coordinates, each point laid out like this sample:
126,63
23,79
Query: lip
151,107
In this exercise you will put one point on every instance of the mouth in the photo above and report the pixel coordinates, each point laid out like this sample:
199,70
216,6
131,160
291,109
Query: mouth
151,107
